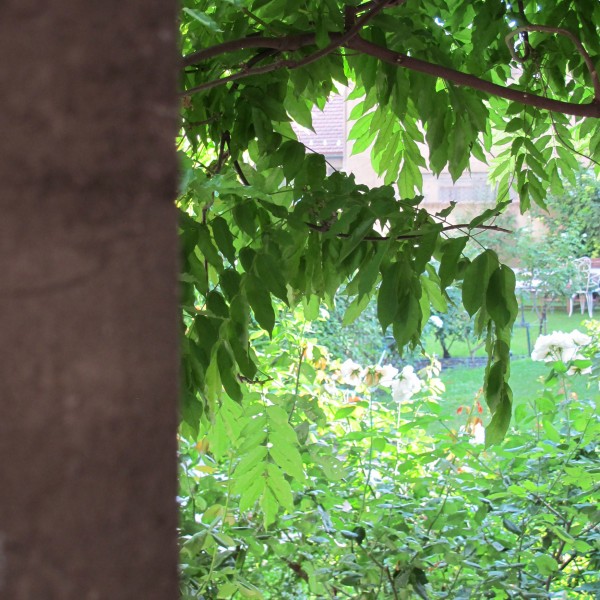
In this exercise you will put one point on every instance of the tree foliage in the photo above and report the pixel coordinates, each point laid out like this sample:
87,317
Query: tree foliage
261,221
575,214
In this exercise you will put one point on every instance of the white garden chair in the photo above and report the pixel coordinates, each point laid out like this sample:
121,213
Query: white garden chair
584,286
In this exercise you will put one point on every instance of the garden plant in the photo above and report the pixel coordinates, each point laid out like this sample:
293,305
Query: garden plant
384,488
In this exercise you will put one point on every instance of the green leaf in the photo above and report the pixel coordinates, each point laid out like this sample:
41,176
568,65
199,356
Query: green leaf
501,302
311,307
260,302
546,564
407,321
451,251
476,280
355,309
434,294
213,382
511,526
244,213
216,304
286,456
387,299
279,486
250,493
369,272
551,432
292,157
269,506
488,214
228,374
223,237
312,174
269,272
251,461
230,281
299,111
498,426
208,250
246,589
203,19
344,412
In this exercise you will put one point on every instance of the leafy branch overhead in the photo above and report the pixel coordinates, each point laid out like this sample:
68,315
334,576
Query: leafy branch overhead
265,228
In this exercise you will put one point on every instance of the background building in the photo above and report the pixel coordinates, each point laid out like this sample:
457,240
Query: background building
470,192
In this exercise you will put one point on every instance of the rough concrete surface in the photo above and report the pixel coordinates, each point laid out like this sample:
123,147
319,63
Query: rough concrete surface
88,300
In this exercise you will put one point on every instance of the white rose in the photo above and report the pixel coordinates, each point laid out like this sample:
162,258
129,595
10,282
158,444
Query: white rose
579,338
407,385
387,374
350,372
556,346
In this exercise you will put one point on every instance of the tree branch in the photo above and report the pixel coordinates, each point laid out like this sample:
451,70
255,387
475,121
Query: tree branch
337,41
558,31
242,74
409,236
457,77
398,59
292,42
283,44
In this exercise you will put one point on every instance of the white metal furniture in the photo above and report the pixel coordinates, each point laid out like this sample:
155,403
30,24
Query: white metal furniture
585,285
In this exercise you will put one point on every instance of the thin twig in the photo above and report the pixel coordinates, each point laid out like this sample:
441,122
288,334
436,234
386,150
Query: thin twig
408,236
237,166
283,44
525,35
558,31
203,122
385,570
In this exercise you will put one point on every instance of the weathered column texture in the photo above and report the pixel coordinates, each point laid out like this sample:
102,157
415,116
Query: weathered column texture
88,300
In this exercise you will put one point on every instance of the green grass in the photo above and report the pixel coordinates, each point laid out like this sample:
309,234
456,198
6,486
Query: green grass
464,383
526,380
557,320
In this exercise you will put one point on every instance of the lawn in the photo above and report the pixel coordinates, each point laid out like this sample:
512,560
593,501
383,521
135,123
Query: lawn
526,380
557,320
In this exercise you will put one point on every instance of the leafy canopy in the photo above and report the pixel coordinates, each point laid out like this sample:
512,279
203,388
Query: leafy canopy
263,223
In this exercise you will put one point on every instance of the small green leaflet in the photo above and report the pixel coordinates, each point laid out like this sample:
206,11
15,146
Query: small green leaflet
203,19
387,300
451,251
476,280
260,302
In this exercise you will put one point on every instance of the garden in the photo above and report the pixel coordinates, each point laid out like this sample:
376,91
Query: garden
350,470
336,479
379,399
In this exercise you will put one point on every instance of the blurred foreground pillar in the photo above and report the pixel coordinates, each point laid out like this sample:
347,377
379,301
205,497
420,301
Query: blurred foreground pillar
88,300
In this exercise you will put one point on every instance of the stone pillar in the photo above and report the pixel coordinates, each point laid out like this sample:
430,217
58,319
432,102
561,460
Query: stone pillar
88,300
